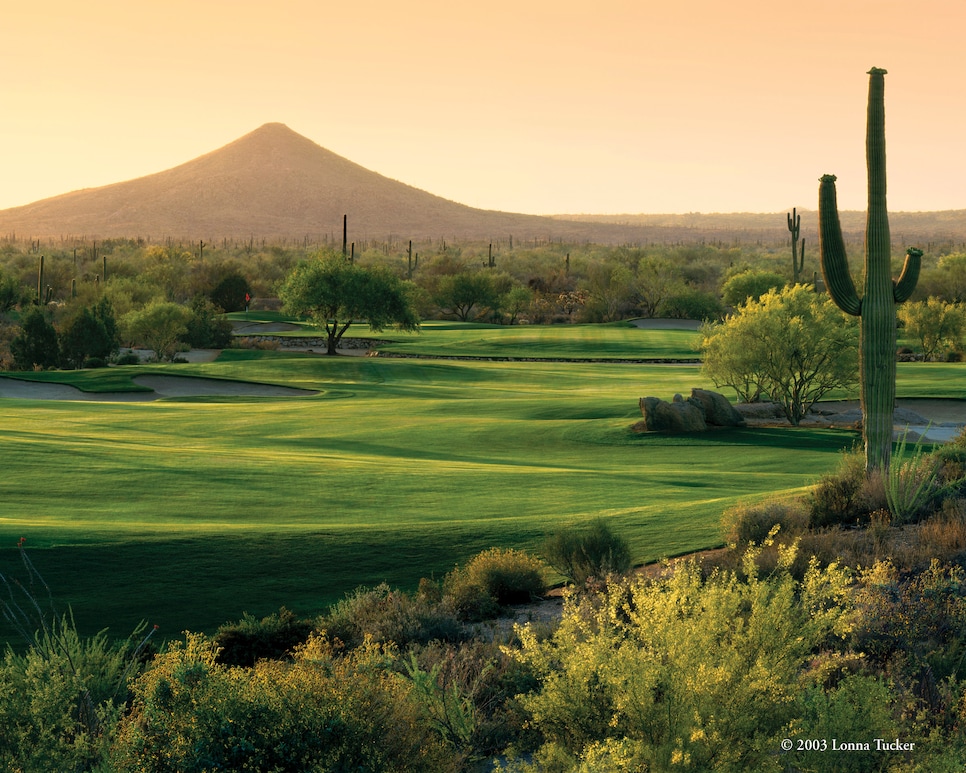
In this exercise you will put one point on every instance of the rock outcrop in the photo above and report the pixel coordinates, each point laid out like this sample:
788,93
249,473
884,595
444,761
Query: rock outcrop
703,409
718,411
677,416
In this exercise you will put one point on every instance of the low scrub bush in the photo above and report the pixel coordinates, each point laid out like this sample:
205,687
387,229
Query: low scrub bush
274,637
386,615
469,691
591,552
320,712
747,524
493,578
680,672
846,496
918,618
62,699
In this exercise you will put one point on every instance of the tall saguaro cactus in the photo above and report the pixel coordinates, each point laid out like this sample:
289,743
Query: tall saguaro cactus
798,258
877,306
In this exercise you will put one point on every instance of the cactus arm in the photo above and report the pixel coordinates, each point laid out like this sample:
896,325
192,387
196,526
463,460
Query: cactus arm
835,264
909,276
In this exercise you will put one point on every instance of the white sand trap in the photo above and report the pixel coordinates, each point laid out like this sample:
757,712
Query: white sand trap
185,386
665,324
163,386
39,390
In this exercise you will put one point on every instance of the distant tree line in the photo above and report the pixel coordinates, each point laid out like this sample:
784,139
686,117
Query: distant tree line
503,282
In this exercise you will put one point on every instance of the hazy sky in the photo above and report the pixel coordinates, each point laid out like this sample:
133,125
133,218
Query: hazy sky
533,106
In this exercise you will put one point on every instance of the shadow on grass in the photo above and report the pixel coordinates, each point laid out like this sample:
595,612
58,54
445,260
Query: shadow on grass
758,437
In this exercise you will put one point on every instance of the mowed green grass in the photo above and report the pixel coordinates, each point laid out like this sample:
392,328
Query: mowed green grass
190,512
617,340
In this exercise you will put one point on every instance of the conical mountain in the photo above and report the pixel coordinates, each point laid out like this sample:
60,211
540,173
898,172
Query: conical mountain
272,182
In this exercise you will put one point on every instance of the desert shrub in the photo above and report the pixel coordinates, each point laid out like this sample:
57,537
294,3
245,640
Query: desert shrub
321,712
919,618
745,524
860,707
683,671
274,637
468,691
842,496
911,483
255,342
951,466
128,358
583,553
469,601
95,362
386,615
504,576
62,699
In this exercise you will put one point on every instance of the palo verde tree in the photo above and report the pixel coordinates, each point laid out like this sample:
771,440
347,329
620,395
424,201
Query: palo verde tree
335,292
877,306
792,345
936,325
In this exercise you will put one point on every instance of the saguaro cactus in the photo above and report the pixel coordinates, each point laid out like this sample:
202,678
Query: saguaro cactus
798,258
40,281
877,306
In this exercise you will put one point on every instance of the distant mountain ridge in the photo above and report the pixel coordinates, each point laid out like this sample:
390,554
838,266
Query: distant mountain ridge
273,182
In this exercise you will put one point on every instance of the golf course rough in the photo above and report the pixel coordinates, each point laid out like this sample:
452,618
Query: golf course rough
876,306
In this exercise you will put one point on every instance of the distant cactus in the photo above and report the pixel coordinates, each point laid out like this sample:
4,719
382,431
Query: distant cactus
877,305
40,281
798,256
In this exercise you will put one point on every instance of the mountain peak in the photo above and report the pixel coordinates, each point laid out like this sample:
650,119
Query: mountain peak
273,182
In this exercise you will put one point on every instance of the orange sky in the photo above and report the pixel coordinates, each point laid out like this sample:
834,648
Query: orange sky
525,105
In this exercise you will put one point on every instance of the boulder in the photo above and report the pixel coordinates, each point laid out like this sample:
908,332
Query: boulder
718,411
678,416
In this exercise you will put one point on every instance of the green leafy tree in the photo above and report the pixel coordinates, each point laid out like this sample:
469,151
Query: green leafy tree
90,332
159,326
749,284
657,280
948,280
689,302
36,345
207,328
230,293
466,294
335,293
791,345
610,291
938,326
515,302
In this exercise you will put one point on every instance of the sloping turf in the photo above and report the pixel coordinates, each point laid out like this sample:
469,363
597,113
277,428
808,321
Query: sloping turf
188,512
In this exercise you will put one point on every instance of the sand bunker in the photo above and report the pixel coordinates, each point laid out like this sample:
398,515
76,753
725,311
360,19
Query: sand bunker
162,386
